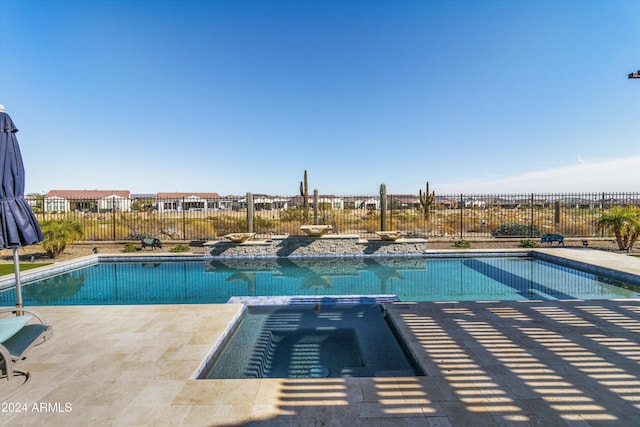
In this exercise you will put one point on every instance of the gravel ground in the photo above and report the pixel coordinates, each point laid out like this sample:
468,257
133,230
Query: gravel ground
37,254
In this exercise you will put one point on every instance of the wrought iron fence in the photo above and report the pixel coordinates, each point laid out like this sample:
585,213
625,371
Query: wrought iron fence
462,216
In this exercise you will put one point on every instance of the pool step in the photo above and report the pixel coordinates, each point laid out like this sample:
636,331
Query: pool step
261,356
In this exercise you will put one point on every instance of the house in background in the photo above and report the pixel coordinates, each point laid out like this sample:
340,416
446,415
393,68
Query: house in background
473,202
87,201
261,202
404,201
327,202
178,202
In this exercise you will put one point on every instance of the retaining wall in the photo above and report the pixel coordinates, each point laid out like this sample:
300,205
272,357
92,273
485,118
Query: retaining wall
338,244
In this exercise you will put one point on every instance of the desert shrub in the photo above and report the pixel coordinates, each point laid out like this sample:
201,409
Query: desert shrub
226,224
529,244
180,248
462,244
129,247
261,225
515,229
292,215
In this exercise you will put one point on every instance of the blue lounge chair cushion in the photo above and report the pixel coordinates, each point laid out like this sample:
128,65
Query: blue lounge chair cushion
9,326
27,337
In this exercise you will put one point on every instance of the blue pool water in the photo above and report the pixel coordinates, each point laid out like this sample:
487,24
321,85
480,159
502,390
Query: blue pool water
410,279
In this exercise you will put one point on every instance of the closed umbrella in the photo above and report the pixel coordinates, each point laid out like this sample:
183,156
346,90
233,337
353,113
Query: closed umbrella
18,225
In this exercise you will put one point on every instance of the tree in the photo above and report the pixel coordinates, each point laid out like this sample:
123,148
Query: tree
142,205
625,223
58,235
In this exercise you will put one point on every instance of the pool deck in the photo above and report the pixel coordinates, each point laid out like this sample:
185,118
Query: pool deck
502,363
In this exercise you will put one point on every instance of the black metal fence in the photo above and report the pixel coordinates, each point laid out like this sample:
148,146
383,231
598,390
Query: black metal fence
462,216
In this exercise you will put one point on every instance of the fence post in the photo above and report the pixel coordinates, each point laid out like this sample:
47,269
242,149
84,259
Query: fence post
113,217
391,212
184,229
601,212
383,207
461,214
531,219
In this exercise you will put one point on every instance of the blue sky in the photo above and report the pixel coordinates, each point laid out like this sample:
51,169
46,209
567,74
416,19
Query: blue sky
235,96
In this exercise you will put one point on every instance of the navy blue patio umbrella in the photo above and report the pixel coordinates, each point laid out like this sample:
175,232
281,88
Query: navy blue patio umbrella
18,225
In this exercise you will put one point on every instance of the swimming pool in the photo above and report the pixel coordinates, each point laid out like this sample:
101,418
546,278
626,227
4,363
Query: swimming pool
407,278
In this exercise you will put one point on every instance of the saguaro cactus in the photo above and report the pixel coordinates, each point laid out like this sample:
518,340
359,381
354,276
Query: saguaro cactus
249,213
316,200
426,200
304,192
383,207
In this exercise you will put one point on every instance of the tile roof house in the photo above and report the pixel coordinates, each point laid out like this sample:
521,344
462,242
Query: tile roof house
87,200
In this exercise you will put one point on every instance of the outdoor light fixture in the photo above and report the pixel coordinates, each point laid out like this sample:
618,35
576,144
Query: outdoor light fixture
635,75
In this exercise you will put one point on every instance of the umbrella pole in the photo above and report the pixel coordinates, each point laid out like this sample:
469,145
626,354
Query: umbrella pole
16,269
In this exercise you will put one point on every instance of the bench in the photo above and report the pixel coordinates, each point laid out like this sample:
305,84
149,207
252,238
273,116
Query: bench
550,238
20,332
150,241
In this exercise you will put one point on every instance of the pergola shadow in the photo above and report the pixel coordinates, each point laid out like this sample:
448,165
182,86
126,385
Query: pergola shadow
551,363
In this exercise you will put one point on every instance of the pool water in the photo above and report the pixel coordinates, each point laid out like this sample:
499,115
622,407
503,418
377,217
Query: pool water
333,340
410,279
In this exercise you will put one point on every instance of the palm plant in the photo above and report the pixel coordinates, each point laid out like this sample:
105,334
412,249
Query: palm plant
58,235
625,223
